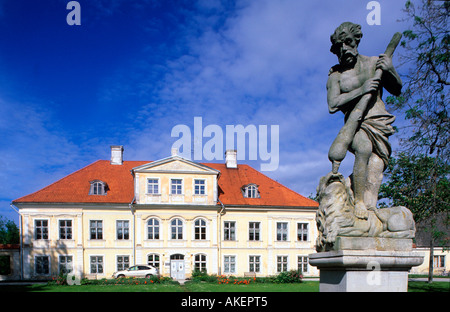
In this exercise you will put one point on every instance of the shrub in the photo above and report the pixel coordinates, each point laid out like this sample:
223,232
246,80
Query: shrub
292,276
61,279
203,276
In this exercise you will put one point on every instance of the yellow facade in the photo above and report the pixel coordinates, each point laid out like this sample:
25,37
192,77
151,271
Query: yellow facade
214,246
169,223
441,265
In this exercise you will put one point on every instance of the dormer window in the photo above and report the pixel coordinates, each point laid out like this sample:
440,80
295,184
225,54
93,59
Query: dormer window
250,191
98,188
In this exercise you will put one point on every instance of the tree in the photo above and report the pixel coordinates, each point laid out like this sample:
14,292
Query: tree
424,102
424,99
9,232
408,184
408,181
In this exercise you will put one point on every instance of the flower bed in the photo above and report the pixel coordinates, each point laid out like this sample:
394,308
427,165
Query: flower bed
233,280
282,278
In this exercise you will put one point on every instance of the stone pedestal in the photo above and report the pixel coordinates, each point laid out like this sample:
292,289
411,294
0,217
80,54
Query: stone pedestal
364,267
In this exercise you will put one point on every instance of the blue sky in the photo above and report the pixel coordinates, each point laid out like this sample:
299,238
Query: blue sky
135,69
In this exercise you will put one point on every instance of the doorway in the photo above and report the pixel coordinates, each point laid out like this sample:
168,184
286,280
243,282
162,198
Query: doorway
177,267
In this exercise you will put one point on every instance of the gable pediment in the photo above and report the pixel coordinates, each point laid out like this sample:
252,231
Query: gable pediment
175,164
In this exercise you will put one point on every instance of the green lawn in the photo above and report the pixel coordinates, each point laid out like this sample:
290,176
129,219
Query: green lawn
94,288
306,286
188,287
425,287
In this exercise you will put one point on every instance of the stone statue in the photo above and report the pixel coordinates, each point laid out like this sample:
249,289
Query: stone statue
355,87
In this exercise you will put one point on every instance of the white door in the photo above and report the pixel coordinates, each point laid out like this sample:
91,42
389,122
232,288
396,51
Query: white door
177,269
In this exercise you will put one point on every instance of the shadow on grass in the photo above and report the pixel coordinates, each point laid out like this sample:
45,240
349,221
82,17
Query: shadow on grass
90,288
25,288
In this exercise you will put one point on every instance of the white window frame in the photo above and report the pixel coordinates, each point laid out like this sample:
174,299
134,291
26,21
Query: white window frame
71,227
158,185
159,226
42,227
201,262
251,191
259,257
282,232
206,228
284,264
303,263
229,263
103,230
49,265
103,264
154,263
205,191
123,229
98,187
177,230
232,235
71,264
123,262
439,261
258,231
303,232
182,186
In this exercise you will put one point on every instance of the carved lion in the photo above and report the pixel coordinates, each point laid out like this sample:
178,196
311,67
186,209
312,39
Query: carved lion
335,216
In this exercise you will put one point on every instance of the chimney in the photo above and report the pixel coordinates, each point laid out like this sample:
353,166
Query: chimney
230,158
116,154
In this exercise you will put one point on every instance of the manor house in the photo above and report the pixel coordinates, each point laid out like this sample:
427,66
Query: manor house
173,213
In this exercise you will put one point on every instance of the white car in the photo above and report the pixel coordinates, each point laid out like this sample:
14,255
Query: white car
141,271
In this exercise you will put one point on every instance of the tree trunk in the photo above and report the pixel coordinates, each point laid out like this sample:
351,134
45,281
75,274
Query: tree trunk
430,264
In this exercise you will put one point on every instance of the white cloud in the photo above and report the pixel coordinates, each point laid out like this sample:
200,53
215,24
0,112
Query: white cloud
34,150
267,63
262,62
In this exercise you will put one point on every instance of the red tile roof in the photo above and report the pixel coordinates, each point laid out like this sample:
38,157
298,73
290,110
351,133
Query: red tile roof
271,192
9,246
74,188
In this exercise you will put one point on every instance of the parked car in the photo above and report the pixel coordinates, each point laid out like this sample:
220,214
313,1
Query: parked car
141,271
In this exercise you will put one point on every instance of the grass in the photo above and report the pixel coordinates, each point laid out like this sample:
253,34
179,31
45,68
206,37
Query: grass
93,288
310,286
425,287
188,287
306,286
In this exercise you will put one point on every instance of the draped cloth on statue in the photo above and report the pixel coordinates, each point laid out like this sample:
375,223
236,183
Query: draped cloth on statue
378,129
